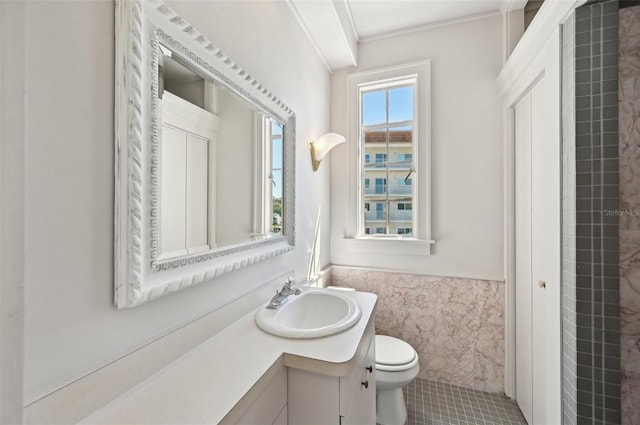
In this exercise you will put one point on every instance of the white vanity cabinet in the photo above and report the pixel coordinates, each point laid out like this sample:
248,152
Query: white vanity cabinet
266,404
315,398
243,375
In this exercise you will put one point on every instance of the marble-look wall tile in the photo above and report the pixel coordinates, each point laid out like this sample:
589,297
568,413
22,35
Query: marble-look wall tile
455,325
629,110
630,326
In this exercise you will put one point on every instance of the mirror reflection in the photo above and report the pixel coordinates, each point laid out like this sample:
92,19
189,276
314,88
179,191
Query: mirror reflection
220,168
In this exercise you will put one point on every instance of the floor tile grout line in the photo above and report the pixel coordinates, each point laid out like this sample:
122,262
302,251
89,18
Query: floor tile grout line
431,403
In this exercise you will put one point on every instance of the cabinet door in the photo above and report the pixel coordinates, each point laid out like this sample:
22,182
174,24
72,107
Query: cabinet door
368,398
313,399
362,409
270,407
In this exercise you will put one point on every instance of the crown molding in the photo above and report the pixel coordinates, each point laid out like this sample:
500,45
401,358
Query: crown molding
511,5
552,14
431,26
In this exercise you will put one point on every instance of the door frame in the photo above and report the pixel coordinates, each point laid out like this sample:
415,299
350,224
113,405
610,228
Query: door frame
520,72
13,22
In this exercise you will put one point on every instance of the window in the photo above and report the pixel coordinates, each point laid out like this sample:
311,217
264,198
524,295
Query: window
276,177
389,131
381,158
387,123
381,212
381,186
367,206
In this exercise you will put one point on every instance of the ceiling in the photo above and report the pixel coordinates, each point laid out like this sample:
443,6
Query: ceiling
376,17
337,27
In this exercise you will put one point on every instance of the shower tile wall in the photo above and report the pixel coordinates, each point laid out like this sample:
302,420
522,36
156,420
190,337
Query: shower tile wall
629,150
455,325
569,355
593,328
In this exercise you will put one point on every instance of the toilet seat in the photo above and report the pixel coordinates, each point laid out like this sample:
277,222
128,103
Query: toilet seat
394,355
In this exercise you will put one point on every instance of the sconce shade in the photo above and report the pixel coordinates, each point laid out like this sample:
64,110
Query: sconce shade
322,146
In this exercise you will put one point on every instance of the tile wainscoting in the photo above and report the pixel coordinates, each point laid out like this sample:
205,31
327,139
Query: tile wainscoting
629,186
456,325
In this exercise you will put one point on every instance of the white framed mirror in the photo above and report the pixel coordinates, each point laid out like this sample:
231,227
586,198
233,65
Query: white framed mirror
205,159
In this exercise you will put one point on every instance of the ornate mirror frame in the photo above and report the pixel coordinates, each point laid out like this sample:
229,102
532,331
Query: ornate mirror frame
139,275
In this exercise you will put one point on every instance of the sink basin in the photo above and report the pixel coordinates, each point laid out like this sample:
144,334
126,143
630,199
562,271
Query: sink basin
312,314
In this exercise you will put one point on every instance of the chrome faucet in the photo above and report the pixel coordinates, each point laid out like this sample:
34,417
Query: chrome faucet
281,296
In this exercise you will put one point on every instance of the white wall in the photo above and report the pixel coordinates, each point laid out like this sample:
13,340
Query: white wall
71,326
235,169
466,149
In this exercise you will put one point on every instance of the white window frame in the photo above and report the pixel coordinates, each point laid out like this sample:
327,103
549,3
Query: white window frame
420,243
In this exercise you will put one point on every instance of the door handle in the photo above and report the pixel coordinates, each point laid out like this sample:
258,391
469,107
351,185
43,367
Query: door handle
542,284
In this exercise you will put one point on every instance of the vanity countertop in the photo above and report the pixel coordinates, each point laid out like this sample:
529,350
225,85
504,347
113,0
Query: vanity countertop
205,384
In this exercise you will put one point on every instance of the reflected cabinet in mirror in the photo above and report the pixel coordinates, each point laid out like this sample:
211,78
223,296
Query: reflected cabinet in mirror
204,159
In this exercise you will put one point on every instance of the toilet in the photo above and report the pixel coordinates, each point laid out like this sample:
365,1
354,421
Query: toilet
396,366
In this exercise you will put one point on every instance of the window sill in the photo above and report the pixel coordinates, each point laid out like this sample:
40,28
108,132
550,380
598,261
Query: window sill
387,245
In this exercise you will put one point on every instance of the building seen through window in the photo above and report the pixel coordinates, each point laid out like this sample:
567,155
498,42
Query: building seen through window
387,125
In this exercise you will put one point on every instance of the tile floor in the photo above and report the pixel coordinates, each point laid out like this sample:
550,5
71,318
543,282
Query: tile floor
435,403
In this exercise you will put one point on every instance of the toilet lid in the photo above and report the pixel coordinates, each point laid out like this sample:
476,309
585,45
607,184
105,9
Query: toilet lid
393,351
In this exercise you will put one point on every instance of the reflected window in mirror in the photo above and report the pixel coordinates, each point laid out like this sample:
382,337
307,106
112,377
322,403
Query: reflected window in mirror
276,177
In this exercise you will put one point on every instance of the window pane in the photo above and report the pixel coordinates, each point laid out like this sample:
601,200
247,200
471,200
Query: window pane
381,186
402,214
276,153
387,157
401,104
374,107
375,136
406,231
276,179
402,134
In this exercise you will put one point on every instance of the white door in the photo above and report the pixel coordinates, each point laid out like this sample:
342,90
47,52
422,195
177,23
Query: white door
173,163
538,241
187,195
524,351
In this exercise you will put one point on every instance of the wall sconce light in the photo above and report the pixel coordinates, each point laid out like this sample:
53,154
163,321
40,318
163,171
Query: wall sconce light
322,146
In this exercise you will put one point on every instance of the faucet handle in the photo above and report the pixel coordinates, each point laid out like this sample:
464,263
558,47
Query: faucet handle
289,281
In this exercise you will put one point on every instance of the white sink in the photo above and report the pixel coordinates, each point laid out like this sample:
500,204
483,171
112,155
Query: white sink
312,314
